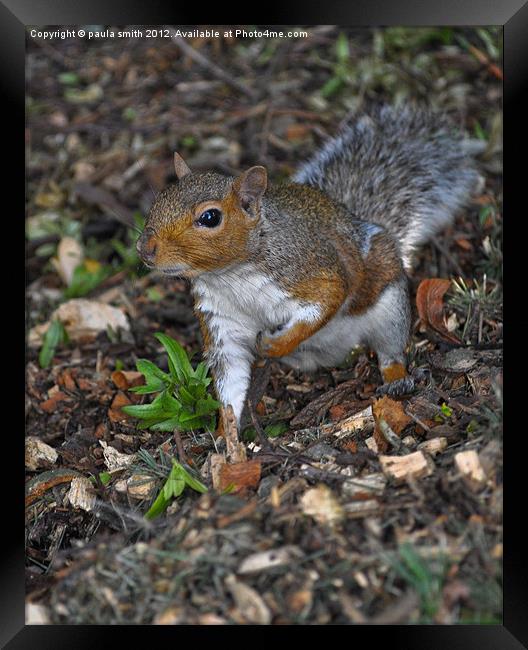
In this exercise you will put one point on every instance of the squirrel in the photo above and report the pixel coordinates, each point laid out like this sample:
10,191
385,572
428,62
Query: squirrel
307,270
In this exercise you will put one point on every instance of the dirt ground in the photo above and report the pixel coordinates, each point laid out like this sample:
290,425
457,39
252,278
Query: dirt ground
324,532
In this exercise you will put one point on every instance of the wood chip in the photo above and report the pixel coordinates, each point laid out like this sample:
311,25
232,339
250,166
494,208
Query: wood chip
363,421
258,562
216,462
39,454
115,414
37,614
321,504
115,459
140,486
171,616
82,494
433,446
250,604
358,509
399,468
364,487
236,451
468,464
242,475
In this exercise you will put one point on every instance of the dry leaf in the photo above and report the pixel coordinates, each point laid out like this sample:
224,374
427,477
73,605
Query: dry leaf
429,301
392,412
249,603
114,412
50,405
69,256
127,379
268,559
297,131
83,320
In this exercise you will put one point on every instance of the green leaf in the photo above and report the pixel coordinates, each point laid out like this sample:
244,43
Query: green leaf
249,434
154,295
192,482
68,78
158,507
332,86
342,48
192,422
177,355
448,412
275,430
146,389
170,404
186,396
167,425
174,486
84,280
55,334
151,370
206,406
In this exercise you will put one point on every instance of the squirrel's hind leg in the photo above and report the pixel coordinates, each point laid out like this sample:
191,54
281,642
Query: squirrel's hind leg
390,321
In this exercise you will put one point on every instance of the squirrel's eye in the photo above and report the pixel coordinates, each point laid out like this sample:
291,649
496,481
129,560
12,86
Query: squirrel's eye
210,218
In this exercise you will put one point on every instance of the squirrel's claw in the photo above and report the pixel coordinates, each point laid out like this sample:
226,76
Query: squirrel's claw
397,388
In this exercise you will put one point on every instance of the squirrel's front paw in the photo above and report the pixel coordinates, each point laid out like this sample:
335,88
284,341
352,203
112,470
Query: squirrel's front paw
267,342
397,388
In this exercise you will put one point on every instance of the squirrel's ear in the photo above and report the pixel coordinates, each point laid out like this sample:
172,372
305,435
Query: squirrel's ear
251,185
180,166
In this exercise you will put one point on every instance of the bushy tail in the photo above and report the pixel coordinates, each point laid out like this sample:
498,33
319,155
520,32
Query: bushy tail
407,169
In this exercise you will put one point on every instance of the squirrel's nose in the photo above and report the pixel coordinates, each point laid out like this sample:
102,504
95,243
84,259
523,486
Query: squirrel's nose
146,247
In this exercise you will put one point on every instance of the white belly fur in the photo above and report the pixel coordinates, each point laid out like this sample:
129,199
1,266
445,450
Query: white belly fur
238,304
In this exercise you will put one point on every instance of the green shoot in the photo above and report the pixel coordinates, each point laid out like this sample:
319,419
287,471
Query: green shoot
85,279
178,479
424,577
182,402
54,336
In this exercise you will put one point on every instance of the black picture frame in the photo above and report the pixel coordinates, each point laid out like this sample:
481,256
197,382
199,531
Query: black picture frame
15,15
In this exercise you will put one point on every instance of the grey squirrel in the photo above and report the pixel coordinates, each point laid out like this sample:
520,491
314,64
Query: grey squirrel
306,270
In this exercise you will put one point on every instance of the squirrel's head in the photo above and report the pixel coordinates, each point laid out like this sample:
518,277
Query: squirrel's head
203,222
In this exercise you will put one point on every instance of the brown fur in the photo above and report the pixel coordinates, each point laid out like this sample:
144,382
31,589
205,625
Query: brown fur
368,278
205,249
393,372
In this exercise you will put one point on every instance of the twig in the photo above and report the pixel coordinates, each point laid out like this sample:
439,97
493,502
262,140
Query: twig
202,60
181,451
448,256
263,438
